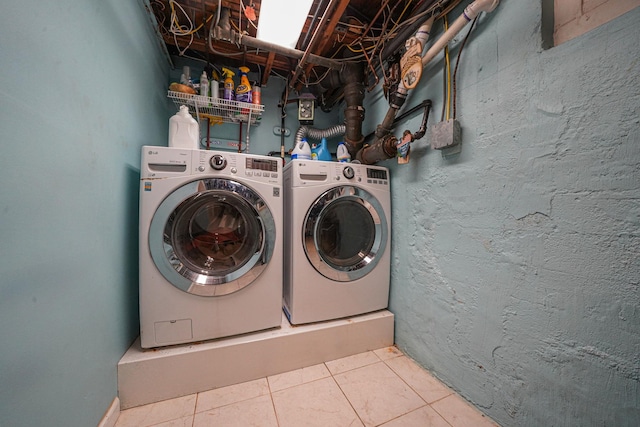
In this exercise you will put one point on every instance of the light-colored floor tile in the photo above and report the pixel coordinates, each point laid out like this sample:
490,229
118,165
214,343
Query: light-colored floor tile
256,412
297,377
421,417
388,352
156,413
377,394
231,394
319,403
460,413
180,422
352,362
425,384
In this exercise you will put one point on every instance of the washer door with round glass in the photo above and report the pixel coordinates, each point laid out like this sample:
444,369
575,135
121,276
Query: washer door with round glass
212,237
345,233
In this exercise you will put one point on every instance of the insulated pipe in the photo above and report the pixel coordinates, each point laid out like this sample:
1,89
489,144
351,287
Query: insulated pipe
291,53
224,32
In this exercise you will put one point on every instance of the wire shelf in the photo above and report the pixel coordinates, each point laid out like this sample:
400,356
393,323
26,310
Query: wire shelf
218,110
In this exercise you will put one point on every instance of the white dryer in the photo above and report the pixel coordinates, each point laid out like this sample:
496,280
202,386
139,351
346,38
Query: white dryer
337,220
210,245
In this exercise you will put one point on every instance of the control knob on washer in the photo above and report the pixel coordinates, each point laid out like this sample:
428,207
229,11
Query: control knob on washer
218,162
348,172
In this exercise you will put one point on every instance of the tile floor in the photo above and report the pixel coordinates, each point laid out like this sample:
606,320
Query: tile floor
376,388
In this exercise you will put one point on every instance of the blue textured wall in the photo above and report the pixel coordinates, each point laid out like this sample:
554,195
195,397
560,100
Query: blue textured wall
82,89
516,264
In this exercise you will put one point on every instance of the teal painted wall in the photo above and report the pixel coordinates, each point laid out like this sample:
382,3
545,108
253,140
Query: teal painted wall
516,263
81,87
515,275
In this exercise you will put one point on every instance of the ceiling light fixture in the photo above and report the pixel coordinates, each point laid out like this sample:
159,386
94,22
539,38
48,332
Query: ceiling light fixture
281,21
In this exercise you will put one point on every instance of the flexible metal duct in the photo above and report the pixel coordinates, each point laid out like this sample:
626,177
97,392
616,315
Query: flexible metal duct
318,134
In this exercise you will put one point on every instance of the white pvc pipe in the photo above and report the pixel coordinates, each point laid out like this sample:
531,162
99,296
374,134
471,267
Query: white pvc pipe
469,14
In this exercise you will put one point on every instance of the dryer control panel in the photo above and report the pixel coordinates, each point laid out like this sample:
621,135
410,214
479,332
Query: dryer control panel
309,173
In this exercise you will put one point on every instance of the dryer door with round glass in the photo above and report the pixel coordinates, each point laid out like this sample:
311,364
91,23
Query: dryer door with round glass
345,233
212,237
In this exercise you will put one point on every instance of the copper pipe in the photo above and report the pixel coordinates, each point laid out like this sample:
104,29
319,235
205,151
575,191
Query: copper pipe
307,51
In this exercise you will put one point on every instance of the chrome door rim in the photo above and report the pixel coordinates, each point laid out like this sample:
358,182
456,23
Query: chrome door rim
194,282
310,229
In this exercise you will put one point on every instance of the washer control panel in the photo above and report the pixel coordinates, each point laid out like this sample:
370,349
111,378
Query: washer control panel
260,168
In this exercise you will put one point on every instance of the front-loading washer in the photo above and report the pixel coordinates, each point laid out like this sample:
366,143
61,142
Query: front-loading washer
210,245
337,242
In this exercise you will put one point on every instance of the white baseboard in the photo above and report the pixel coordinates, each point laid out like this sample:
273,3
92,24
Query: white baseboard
111,415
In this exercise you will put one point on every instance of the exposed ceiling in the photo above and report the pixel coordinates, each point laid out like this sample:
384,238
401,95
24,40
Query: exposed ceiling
334,30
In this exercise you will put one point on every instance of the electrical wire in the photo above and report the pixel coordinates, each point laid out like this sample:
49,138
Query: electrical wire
447,71
321,78
218,13
176,28
242,6
455,70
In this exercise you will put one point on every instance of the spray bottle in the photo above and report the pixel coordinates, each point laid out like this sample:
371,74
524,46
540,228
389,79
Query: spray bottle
228,84
243,91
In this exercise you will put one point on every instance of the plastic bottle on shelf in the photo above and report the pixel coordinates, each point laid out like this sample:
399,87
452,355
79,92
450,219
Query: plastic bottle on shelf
342,153
320,151
301,151
204,84
204,89
215,87
184,77
256,94
184,131
243,91
228,84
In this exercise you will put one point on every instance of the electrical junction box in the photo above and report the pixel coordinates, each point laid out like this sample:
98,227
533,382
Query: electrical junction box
446,135
306,107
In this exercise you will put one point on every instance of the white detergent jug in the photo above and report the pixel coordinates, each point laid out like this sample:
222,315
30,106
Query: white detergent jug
342,153
184,131
301,151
